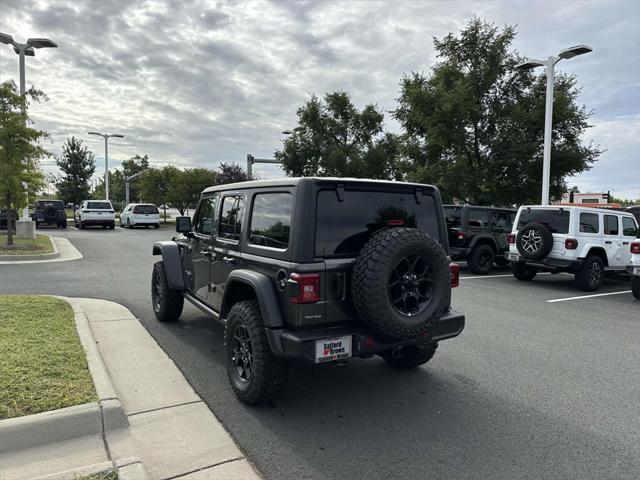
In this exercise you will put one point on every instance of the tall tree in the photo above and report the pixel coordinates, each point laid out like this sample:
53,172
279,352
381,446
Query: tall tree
230,173
474,126
20,151
187,185
156,184
77,165
333,138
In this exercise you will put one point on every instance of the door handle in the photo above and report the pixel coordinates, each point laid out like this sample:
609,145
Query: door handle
208,254
608,242
229,260
625,243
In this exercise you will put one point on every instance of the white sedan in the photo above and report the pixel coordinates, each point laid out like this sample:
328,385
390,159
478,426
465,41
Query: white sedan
143,214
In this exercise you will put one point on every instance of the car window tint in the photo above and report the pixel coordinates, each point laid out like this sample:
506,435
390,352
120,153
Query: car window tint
589,222
99,205
231,217
145,209
610,225
453,216
206,215
629,228
271,220
501,221
557,221
343,227
478,218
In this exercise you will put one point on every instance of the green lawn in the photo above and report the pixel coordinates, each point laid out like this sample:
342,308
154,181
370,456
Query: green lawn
42,364
26,246
110,475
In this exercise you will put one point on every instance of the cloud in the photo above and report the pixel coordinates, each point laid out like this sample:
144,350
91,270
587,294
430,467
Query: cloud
201,82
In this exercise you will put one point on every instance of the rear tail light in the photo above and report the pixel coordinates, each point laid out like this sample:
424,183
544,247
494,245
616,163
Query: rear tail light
308,290
635,248
395,223
511,238
454,272
460,235
570,243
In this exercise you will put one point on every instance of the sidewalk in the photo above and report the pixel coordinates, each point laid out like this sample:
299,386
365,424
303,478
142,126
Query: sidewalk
171,433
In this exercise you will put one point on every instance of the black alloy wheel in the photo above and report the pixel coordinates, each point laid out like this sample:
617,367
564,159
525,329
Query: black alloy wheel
411,285
242,353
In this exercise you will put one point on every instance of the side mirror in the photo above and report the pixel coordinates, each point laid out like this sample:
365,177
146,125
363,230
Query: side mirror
183,224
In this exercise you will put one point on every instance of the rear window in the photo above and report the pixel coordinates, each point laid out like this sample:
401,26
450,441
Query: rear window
555,220
53,203
629,227
589,222
342,228
453,216
271,220
145,209
99,206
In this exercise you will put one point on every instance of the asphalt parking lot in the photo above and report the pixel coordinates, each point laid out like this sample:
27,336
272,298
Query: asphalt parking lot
541,384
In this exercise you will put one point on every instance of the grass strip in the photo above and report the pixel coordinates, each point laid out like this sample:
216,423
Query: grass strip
42,363
26,246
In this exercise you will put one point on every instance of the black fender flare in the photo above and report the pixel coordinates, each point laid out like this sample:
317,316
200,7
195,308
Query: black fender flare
172,259
265,292
484,239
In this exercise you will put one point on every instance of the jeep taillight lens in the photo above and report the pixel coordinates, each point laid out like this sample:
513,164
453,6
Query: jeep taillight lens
460,235
635,247
454,272
308,287
570,243
511,238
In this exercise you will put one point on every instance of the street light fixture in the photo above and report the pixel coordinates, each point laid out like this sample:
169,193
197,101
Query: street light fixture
106,137
550,63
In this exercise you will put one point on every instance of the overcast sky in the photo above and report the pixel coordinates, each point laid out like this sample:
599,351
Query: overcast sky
196,83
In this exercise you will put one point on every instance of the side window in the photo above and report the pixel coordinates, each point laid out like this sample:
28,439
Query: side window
589,223
231,217
206,215
610,225
478,218
271,220
629,228
501,221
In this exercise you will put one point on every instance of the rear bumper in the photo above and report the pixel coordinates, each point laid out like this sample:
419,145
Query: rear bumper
98,222
630,270
300,345
551,264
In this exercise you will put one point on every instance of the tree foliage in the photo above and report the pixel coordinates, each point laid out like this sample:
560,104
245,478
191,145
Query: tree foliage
20,149
333,138
156,183
230,173
475,125
188,184
77,165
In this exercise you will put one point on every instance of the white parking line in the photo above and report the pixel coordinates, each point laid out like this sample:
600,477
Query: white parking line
586,296
496,276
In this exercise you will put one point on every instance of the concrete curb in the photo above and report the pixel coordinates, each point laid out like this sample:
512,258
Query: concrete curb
58,425
42,256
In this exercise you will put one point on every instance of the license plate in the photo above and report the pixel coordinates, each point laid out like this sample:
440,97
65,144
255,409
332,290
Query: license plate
636,271
514,257
331,349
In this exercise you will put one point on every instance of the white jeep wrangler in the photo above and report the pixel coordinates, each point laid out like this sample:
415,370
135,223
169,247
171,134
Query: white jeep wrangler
634,268
579,240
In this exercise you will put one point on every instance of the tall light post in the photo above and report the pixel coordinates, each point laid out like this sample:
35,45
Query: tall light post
126,185
106,137
550,63
25,50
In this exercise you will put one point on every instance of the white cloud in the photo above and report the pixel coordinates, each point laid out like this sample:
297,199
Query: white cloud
200,82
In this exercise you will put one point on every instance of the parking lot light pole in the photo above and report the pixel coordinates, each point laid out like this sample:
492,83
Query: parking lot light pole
550,63
126,186
106,137
25,50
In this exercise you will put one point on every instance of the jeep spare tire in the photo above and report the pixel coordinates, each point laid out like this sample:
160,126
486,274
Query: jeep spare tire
534,241
401,282
51,213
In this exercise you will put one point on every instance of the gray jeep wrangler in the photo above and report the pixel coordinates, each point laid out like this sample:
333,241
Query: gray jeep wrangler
315,270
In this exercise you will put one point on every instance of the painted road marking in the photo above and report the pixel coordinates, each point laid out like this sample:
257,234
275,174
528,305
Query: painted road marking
496,276
586,296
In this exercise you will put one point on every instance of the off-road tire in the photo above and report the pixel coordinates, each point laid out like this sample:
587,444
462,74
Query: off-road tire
269,373
523,272
157,225
635,287
167,304
412,356
546,241
590,276
371,277
481,259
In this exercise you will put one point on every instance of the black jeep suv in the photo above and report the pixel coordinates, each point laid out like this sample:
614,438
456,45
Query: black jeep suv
312,269
479,235
49,212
